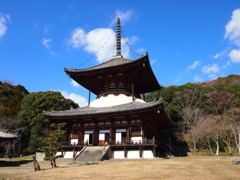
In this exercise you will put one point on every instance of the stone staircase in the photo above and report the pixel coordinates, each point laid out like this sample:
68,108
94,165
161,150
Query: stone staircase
92,154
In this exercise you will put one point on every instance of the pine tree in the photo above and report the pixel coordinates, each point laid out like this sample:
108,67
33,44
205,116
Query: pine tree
52,144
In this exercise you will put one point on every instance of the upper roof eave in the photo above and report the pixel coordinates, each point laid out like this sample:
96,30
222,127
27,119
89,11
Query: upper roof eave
115,62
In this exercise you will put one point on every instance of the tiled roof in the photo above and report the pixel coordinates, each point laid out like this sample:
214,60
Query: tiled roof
7,135
111,63
104,110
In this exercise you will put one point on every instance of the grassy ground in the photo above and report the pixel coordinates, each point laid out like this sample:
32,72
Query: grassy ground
176,168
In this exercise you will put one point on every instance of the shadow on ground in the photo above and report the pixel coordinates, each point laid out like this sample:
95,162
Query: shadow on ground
13,163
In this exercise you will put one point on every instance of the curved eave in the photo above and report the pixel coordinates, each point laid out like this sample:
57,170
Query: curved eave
96,111
144,82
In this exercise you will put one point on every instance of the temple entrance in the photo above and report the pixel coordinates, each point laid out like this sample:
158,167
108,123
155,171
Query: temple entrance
104,136
88,137
120,136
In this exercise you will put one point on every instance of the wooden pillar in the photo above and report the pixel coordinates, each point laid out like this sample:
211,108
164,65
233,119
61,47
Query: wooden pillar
80,137
125,152
143,136
143,130
132,91
73,152
154,151
70,136
95,137
112,134
140,152
128,134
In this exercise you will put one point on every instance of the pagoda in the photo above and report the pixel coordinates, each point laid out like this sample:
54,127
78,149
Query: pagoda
119,117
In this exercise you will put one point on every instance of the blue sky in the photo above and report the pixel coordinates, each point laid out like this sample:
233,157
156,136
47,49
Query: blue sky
187,40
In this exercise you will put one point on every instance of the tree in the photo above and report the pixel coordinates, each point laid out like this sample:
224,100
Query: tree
226,135
32,118
215,130
10,99
188,101
219,102
204,132
233,120
52,144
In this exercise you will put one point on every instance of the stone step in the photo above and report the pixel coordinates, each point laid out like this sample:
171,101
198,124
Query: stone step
92,154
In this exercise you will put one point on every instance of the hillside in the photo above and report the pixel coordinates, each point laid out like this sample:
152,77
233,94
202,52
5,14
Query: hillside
206,114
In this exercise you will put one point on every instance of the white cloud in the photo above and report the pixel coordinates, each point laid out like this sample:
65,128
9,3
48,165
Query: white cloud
197,79
4,18
93,42
141,50
35,25
220,54
82,102
194,65
235,56
100,42
46,29
177,80
213,76
227,64
153,61
78,38
74,83
124,16
132,40
209,69
233,28
45,43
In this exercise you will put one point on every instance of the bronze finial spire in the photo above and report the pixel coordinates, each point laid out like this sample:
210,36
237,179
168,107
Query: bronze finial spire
118,39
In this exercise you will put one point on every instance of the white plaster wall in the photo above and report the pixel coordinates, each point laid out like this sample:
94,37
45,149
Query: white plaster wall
101,136
137,139
86,138
74,141
58,154
118,154
68,154
131,154
147,154
112,100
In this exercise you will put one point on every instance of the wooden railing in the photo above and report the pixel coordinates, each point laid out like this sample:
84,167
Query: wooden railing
133,142
122,142
74,144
